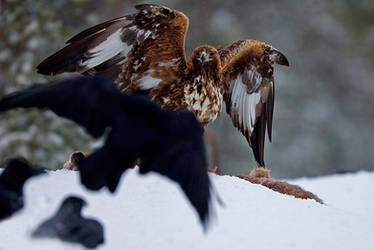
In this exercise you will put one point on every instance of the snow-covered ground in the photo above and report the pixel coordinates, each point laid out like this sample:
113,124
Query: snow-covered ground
150,212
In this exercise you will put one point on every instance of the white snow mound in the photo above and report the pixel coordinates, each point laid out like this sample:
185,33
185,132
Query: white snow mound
150,212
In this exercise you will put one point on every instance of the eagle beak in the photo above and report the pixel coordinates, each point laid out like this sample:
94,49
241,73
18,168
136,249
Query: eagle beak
204,57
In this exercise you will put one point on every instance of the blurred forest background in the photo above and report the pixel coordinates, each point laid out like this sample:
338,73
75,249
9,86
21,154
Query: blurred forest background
324,108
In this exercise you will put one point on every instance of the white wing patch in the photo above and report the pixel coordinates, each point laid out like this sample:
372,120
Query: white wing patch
114,45
148,82
243,105
170,63
106,50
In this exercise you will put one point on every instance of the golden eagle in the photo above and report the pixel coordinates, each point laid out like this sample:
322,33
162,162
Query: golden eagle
144,52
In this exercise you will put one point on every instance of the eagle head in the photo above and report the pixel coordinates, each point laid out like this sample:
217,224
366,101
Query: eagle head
205,58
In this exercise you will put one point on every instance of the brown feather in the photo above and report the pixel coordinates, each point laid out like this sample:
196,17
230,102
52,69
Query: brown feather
161,58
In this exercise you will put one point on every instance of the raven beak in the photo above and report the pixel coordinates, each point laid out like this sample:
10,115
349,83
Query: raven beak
204,57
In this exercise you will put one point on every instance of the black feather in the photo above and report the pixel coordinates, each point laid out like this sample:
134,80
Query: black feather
17,172
166,142
69,225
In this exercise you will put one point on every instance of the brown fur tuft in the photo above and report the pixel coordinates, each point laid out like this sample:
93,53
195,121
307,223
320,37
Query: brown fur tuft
260,172
282,187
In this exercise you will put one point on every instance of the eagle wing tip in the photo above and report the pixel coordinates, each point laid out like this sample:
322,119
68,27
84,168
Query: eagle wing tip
277,57
40,69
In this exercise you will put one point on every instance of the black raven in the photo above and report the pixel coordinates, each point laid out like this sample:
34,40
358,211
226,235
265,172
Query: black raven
69,225
166,142
17,172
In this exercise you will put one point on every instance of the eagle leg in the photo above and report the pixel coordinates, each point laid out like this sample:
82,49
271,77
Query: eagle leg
213,145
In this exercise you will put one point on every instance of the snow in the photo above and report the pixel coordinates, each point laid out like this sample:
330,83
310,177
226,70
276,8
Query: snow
150,212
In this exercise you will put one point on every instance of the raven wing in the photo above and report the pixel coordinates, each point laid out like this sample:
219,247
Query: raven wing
92,102
181,157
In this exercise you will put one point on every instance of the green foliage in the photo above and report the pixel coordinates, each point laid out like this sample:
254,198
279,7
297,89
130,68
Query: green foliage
29,31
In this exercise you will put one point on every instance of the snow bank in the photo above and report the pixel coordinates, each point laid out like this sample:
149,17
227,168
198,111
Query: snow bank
150,212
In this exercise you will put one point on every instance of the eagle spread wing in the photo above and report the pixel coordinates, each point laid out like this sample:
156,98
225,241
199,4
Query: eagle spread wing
247,69
137,51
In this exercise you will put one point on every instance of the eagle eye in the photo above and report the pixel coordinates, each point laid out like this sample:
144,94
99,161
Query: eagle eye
211,53
198,54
